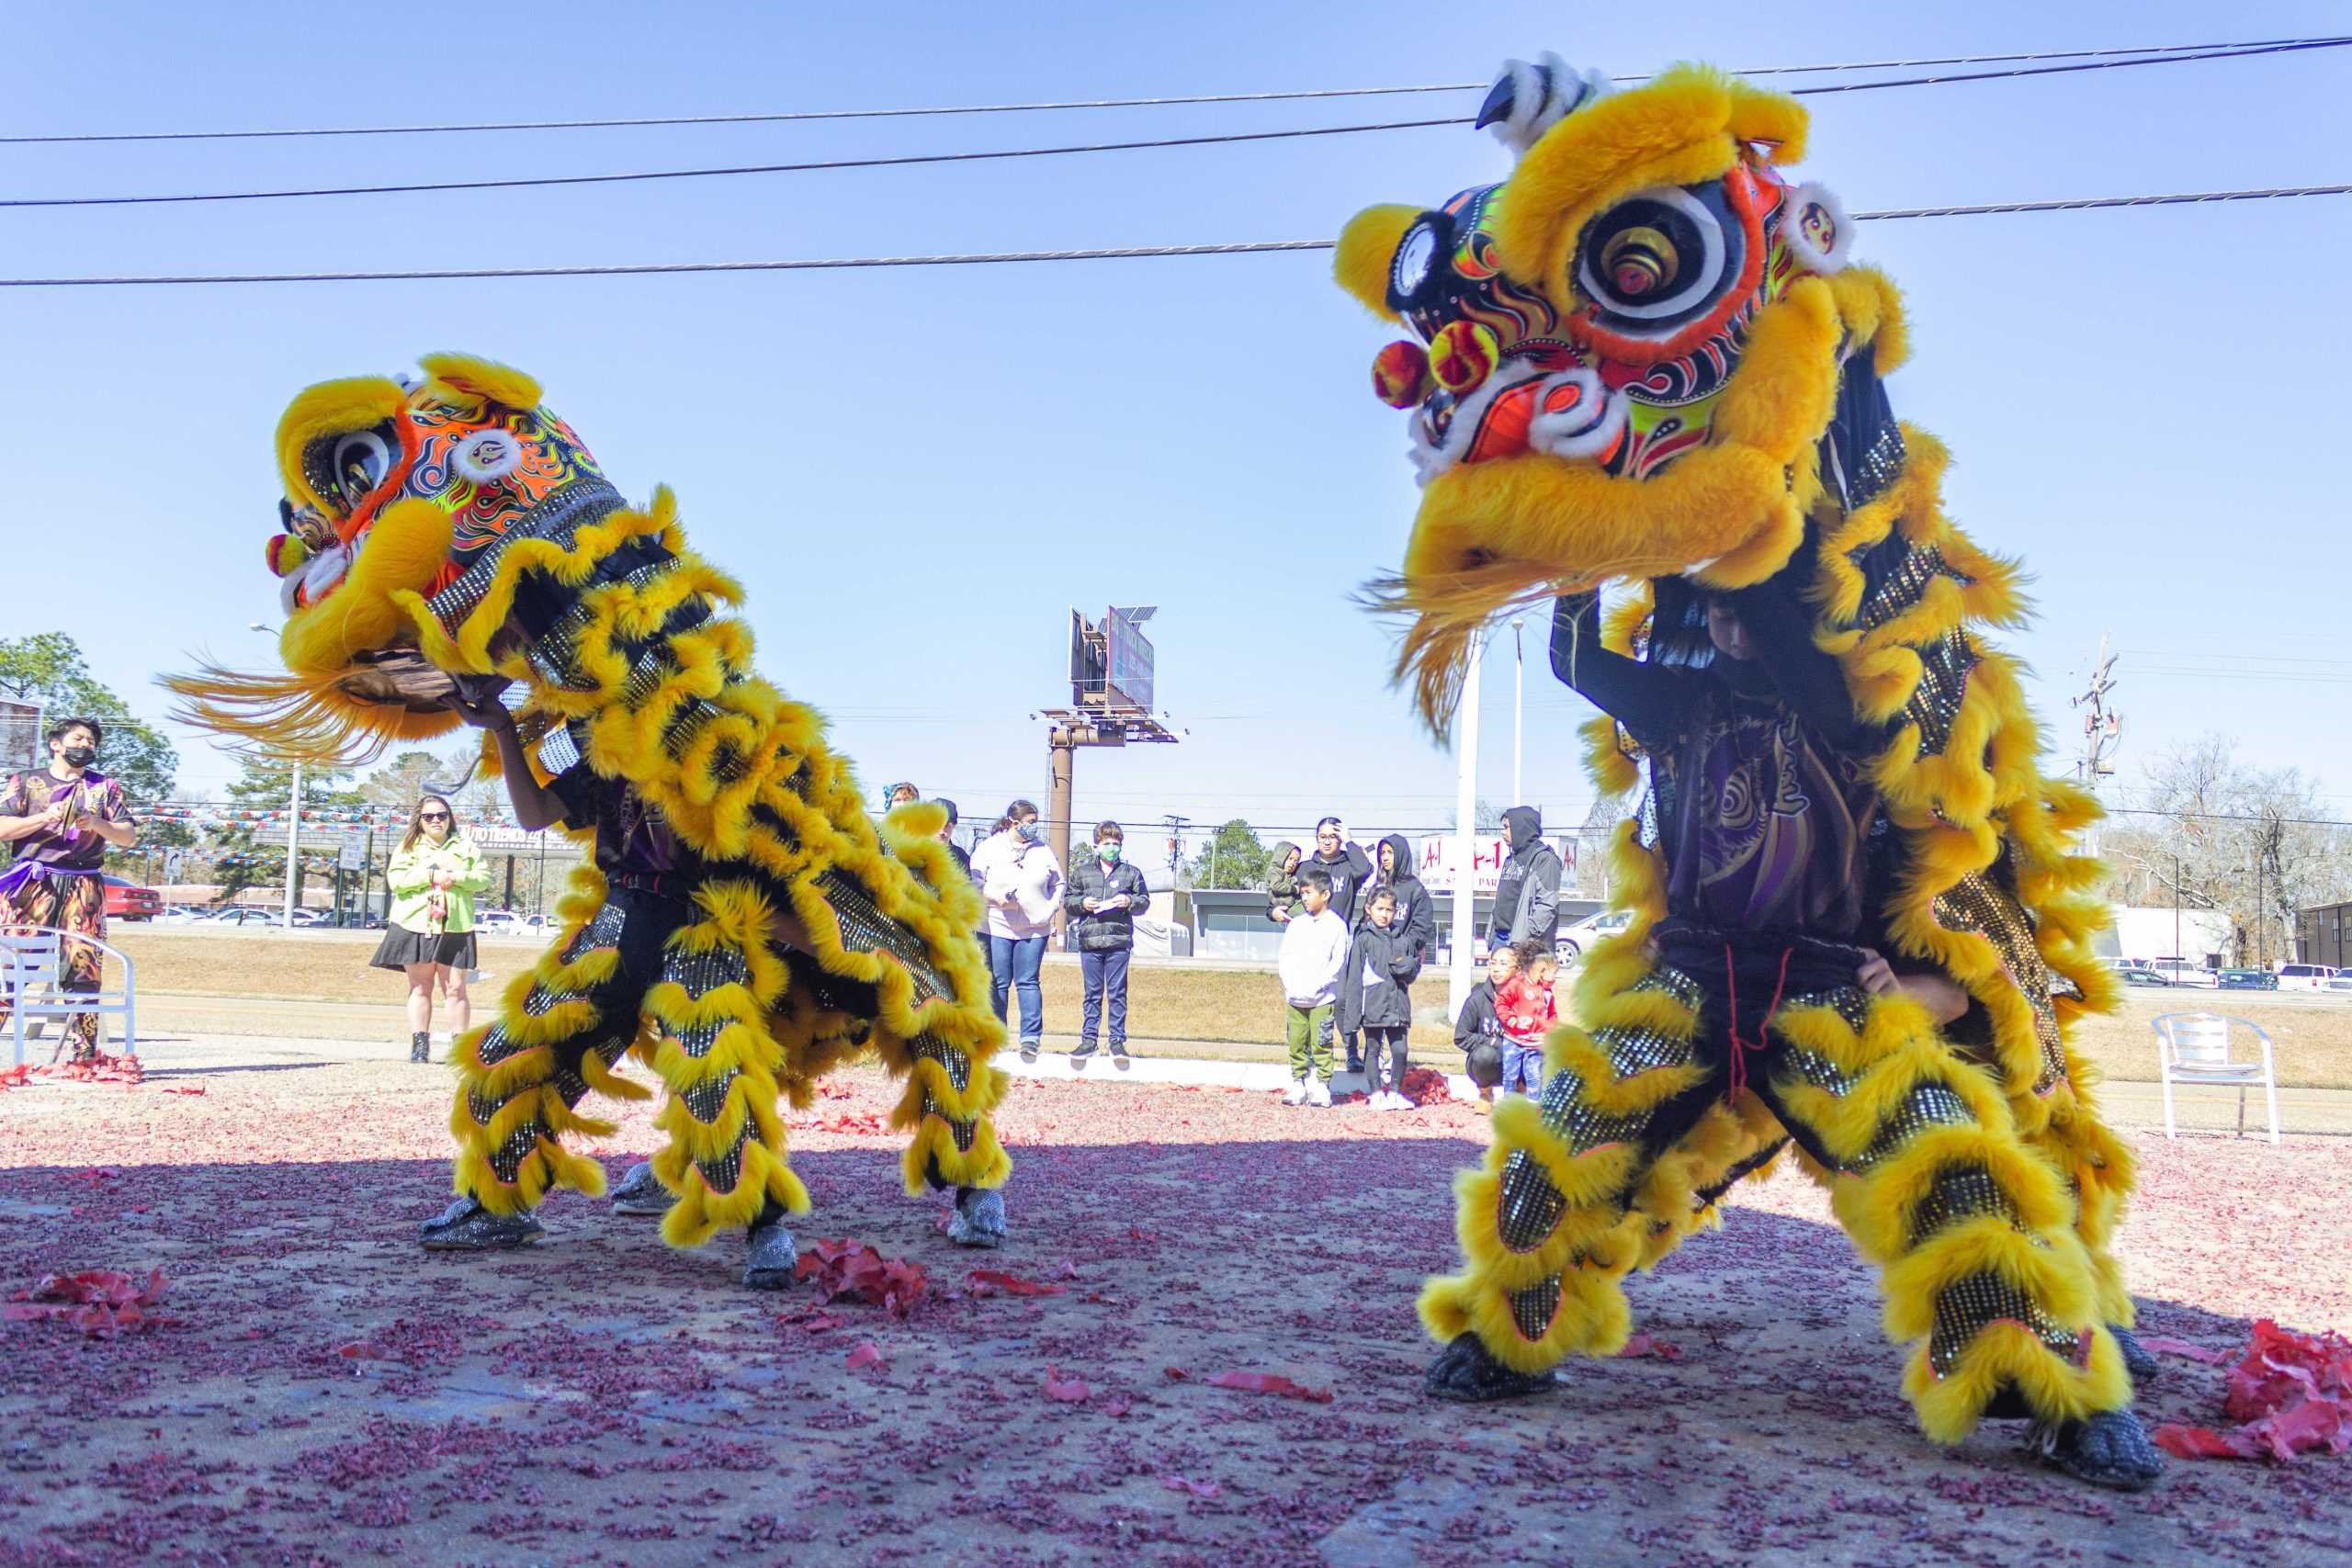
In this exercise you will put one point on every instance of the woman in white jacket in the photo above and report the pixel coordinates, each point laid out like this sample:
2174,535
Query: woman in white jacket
1022,885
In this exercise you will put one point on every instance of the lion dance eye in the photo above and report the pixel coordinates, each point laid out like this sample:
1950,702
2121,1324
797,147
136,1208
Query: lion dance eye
1659,255
1640,262
360,462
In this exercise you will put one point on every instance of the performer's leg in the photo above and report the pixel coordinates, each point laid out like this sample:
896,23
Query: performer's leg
565,1023
1546,1225
725,1162
1973,1230
82,910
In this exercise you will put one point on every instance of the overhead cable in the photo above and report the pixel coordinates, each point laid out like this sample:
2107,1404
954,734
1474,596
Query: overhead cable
796,116
990,258
519,182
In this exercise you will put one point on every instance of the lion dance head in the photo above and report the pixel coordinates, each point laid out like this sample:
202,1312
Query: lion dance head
1624,355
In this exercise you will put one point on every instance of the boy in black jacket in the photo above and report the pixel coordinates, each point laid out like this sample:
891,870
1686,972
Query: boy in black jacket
1101,899
1375,998
1479,1031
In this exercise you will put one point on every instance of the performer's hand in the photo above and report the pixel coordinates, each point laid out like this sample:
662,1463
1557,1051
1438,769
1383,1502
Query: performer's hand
1876,975
476,701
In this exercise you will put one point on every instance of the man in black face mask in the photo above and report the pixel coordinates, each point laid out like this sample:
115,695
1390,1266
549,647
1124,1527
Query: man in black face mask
62,820
1527,900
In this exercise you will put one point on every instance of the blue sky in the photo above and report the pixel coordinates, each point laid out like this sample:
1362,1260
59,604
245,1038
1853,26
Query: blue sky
917,472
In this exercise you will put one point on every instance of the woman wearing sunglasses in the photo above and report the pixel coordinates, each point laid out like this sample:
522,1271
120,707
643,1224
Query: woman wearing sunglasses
435,874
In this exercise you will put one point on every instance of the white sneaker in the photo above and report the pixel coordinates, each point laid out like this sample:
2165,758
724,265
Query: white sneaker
1318,1094
1297,1093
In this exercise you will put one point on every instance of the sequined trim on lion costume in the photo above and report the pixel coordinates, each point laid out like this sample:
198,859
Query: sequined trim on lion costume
452,528
1645,359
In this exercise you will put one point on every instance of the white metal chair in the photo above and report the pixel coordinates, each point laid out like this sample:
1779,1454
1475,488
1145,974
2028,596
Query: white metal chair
32,983
2194,1048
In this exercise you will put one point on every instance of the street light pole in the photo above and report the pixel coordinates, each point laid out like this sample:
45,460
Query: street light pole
1517,711
293,818
1465,851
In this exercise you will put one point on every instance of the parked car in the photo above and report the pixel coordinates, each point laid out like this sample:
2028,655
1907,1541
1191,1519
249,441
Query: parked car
2185,972
2341,985
501,922
128,901
2141,975
181,915
1573,939
2304,977
247,914
2247,980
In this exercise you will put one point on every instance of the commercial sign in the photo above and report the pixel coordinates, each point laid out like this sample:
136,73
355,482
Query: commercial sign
1440,866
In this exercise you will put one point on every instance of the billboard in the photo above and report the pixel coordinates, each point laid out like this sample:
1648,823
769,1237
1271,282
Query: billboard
1128,656
20,741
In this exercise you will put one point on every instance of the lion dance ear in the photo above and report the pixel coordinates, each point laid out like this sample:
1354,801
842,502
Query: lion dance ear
483,378
1367,247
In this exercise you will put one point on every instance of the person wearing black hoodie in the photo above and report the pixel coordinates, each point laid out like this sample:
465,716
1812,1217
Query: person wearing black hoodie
1374,999
1415,915
1527,899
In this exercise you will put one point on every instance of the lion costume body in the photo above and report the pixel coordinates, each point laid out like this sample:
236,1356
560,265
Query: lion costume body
1645,360
451,529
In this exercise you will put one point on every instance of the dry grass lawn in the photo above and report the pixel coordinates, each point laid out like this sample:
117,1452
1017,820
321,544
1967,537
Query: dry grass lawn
1240,1011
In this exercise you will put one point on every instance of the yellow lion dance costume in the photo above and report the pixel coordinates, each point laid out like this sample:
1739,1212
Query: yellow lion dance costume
1644,360
448,536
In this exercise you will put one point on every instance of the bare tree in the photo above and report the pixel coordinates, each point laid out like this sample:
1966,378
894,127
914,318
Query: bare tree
2252,842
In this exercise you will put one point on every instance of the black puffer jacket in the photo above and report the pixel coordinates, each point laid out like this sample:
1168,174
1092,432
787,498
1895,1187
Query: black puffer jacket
1372,993
1103,931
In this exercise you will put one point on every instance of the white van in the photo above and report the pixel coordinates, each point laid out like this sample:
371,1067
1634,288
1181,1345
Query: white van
2304,977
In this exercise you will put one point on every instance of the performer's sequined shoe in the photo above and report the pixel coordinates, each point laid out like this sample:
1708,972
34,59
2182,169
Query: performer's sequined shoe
640,1193
2137,1358
979,1219
2110,1450
1467,1373
769,1264
466,1226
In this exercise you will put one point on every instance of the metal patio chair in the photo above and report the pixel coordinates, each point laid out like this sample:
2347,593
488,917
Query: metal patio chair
32,984
2195,1048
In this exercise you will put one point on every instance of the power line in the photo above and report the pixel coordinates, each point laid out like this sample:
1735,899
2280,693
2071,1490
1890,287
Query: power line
2199,50
521,182
988,258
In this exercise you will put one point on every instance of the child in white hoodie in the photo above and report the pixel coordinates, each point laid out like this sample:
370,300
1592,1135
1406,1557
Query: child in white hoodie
1314,950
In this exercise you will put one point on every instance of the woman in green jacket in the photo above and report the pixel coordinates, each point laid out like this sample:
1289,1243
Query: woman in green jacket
435,874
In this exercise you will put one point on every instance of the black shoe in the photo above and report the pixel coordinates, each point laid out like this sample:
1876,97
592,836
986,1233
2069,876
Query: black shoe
2137,1358
773,1258
1467,1373
2110,1450
979,1219
466,1226
1119,1052
641,1192
1356,1063
420,1047
1084,1049
1028,1049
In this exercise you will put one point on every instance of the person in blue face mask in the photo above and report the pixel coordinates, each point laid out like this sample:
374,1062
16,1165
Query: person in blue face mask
1022,885
1101,902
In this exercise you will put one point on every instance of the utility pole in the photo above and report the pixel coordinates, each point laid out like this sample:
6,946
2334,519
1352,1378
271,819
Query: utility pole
1517,711
1176,826
2102,732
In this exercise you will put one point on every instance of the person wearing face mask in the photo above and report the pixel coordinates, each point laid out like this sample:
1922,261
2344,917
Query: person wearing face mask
63,820
1101,902
1020,884
436,875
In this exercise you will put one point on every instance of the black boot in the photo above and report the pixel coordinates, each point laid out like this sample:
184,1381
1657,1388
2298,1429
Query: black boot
420,1046
2110,1450
2137,1358
1467,1371
770,1260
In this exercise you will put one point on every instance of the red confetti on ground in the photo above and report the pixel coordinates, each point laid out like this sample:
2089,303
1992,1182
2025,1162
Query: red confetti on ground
1186,1483
1646,1345
2291,1394
867,1353
1425,1085
1071,1390
847,1269
99,1302
1268,1382
124,1070
989,1281
2159,1344
863,1125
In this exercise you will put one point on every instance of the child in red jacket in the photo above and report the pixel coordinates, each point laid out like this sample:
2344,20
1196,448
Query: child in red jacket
1525,1008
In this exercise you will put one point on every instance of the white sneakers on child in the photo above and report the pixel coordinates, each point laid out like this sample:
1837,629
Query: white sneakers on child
1318,1094
1297,1093
1387,1100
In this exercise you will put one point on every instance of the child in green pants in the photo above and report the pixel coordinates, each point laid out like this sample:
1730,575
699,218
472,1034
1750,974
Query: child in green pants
1314,948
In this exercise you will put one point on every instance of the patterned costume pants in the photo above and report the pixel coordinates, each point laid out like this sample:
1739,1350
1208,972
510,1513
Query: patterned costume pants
733,1023
1974,1232
75,904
